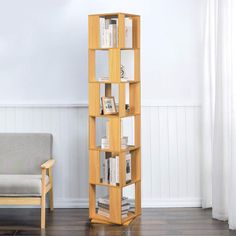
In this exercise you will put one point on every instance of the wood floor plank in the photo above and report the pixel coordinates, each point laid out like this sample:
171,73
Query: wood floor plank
153,222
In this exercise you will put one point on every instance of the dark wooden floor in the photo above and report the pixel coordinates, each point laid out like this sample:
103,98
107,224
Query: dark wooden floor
68,222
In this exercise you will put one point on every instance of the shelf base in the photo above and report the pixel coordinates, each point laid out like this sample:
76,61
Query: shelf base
96,221
125,223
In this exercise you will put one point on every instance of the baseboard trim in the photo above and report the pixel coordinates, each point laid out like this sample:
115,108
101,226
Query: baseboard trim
146,203
71,203
158,203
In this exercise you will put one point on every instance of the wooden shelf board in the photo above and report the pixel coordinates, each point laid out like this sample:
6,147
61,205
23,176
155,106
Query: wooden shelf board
101,219
130,148
114,14
98,219
110,82
129,218
105,49
116,115
117,186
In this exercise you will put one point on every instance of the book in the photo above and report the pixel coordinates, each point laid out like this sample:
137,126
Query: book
117,170
102,213
108,32
128,166
111,170
114,33
102,33
104,206
106,170
105,200
128,32
125,206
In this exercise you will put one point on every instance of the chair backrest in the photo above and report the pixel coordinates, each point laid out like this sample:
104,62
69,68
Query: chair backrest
23,153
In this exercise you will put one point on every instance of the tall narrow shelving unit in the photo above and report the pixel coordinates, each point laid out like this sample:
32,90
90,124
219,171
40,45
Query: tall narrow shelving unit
114,64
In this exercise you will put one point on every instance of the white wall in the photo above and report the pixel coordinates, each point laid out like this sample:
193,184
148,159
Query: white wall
170,151
43,61
43,48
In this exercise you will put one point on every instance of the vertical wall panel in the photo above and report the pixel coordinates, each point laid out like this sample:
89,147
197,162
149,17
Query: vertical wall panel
170,151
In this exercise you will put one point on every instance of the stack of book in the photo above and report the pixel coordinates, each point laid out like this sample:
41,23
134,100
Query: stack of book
104,207
110,169
108,32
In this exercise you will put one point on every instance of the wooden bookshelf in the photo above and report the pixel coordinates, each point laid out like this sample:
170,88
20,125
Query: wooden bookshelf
114,64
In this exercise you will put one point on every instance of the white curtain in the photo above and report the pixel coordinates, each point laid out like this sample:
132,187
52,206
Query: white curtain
219,111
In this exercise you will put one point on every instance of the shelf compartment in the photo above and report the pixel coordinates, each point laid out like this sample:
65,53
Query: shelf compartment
114,129
107,64
115,195
97,174
124,94
94,29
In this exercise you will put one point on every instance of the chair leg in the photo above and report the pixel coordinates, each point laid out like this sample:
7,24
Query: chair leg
51,191
51,200
43,199
43,212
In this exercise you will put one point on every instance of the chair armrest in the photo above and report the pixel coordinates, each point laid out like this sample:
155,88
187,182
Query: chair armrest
48,164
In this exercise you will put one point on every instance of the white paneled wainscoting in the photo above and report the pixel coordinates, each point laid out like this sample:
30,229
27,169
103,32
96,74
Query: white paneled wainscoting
170,150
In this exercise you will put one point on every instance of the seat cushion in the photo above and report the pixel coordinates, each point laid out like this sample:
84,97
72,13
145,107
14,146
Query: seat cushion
21,185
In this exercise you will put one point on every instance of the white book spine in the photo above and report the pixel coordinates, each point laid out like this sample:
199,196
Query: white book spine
128,33
115,35
102,27
102,213
111,35
114,171
117,170
106,169
110,171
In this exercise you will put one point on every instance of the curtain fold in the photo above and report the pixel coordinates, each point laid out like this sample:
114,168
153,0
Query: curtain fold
219,117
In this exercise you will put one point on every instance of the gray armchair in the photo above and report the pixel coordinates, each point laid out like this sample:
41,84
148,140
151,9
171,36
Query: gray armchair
25,160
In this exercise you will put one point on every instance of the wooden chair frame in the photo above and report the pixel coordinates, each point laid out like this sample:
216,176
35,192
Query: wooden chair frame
47,166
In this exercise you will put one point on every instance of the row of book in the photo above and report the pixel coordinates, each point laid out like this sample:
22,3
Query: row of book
109,32
104,207
110,170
